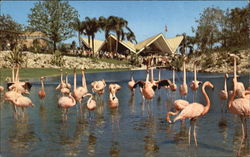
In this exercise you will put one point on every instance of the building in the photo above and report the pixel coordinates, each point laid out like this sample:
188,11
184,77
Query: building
155,45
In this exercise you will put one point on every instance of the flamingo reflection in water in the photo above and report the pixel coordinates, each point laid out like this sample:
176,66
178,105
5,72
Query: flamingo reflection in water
195,110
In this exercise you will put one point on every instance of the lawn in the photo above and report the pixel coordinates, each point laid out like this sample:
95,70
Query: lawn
26,73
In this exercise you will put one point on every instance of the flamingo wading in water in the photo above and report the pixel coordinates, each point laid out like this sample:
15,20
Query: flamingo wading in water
183,88
41,92
241,107
195,110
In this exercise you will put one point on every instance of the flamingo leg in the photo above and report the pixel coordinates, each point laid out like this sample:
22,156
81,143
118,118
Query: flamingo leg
189,132
245,119
242,127
195,137
22,112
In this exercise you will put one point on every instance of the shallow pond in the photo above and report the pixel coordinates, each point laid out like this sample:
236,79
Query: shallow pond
134,129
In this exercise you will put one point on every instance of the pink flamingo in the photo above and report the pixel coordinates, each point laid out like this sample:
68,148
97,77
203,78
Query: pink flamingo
173,85
23,87
131,84
195,110
113,100
98,86
65,102
183,88
195,84
223,93
82,90
241,107
239,85
23,102
66,81
41,92
62,84
1,88
91,103
179,105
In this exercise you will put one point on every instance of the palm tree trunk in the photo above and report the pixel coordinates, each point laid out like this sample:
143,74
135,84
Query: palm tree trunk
93,45
79,40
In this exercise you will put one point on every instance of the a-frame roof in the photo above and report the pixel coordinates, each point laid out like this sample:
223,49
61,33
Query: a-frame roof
169,45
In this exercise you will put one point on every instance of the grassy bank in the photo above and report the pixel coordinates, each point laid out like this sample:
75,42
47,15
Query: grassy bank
26,73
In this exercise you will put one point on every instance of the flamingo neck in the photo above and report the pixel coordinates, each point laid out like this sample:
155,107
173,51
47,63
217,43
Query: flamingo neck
74,80
61,77
147,77
72,98
173,76
132,78
232,96
83,79
91,97
67,79
152,74
184,73
225,84
42,84
17,74
13,74
159,75
207,107
195,73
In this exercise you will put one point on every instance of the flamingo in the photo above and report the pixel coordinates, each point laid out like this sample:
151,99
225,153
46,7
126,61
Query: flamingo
41,92
65,102
113,100
173,85
195,110
66,81
179,105
23,102
131,83
148,88
183,88
240,107
91,103
223,93
62,84
98,86
23,87
239,85
1,88
195,83
82,90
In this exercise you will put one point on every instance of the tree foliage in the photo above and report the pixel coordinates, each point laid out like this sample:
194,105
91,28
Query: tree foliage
10,31
222,29
54,18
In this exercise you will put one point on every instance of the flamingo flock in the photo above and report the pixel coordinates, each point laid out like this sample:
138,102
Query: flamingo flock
238,99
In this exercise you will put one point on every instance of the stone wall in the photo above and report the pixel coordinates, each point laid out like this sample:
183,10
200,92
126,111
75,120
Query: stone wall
32,60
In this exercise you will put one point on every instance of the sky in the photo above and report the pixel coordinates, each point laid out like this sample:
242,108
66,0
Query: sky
145,18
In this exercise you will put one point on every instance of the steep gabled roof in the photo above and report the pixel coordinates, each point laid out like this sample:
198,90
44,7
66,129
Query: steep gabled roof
127,44
173,43
169,45
97,43
143,44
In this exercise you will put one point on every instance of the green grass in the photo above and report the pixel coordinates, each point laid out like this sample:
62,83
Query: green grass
26,73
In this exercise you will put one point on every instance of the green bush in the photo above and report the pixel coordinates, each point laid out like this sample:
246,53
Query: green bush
57,59
15,57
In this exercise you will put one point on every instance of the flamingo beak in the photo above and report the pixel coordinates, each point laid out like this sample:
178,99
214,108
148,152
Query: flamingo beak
200,83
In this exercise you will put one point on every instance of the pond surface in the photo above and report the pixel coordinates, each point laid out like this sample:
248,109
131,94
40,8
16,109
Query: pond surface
134,129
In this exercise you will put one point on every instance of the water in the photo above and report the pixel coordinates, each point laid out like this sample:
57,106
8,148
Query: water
134,129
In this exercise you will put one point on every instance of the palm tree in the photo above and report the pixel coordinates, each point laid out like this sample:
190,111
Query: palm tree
90,28
186,43
78,26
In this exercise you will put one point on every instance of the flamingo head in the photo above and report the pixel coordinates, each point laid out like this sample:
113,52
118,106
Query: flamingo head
226,76
42,78
209,84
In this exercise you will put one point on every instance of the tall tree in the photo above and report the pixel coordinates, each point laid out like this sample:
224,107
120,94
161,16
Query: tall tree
90,28
54,18
186,43
78,27
10,31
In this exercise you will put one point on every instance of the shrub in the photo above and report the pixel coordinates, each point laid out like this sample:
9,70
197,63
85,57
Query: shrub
57,59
